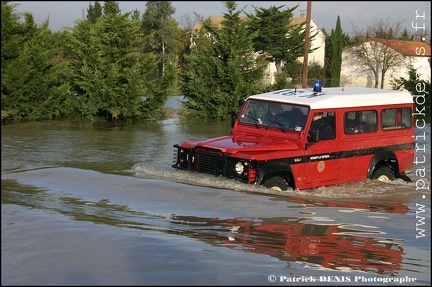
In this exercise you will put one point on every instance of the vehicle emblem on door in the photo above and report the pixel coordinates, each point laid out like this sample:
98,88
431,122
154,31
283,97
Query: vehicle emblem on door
320,166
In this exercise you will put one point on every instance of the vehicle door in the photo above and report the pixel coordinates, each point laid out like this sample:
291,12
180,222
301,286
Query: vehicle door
322,157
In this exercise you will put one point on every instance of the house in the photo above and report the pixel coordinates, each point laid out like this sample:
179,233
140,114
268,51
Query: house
401,53
317,43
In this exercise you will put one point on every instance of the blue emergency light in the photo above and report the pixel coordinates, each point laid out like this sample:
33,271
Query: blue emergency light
317,86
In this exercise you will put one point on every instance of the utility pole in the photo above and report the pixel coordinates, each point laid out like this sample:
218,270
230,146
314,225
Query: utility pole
306,45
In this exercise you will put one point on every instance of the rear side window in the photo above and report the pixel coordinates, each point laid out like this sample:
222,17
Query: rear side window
399,118
358,122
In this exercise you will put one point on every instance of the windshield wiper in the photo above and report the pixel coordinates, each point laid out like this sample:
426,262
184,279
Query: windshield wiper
257,121
281,125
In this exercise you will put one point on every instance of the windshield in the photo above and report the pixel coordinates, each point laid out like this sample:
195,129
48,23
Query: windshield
274,114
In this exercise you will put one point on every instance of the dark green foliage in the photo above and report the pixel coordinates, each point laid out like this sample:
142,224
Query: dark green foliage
276,37
405,36
11,34
418,88
336,56
108,71
294,71
32,81
111,8
327,58
222,69
123,67
98,71
335,42
94,12
315,72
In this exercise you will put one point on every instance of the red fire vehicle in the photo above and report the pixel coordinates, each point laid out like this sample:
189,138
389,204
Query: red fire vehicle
306,138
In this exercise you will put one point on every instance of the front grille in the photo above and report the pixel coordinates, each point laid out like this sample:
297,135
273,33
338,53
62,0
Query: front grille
209,161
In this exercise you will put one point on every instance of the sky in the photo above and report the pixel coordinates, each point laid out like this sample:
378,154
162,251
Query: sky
354,15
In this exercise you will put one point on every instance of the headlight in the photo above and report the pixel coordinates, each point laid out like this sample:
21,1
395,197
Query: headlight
239,167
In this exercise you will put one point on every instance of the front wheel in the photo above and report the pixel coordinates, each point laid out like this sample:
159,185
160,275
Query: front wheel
384,173
277,183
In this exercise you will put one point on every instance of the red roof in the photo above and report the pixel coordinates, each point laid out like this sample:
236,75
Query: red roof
407,48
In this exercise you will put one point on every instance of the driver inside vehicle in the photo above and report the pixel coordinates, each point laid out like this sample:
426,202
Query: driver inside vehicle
320,124
273,114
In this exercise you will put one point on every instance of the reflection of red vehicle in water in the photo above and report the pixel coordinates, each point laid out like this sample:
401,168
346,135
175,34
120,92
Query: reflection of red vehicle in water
336,247
329,246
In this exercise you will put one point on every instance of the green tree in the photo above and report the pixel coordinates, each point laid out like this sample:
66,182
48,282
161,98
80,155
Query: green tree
32,81
222,69
11,34
111,8
277,36
294,71
327,58
135,15
94,12
157,22
405,36
108,70
335,42
417,88
315,72
336,54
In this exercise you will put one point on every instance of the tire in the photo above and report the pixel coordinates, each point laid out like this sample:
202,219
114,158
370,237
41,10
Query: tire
277,183
384,173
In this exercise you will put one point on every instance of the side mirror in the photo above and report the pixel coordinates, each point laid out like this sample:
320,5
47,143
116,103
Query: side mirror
313,136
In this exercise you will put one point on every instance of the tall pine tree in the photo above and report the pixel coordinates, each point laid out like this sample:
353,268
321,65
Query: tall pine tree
109,72
335,42
276,36
336,54
94,12
222,69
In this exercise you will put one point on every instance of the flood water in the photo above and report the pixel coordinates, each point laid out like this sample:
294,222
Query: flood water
101,205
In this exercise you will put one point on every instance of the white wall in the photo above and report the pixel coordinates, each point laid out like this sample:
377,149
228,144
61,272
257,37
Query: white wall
316,56
355,75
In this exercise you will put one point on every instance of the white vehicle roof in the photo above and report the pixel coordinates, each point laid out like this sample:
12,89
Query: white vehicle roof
337,97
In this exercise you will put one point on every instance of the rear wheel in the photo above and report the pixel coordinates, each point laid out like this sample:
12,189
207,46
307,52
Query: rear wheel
277,183
384,173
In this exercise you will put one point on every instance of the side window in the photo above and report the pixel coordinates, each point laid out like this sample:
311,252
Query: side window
399,118
358,122
324,123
